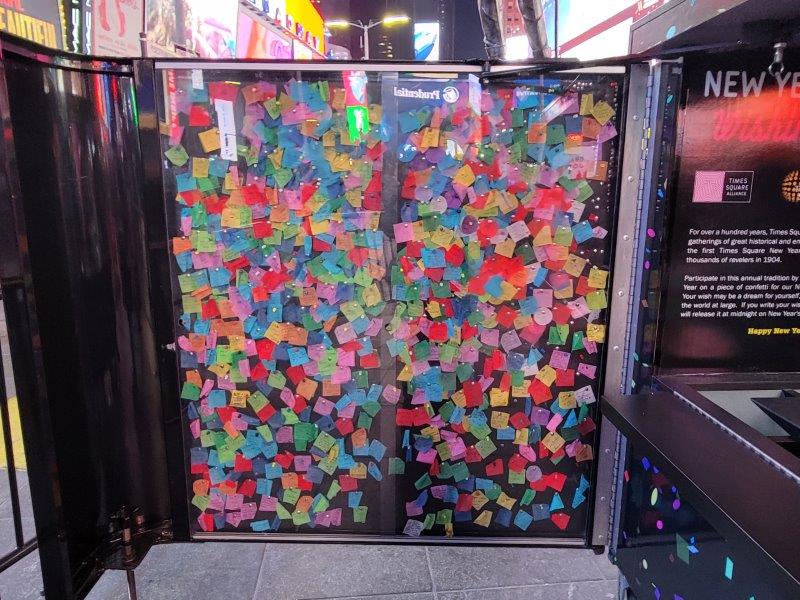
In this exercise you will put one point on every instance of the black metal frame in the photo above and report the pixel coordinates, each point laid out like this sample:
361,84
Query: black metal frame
23,548
158,244
23,332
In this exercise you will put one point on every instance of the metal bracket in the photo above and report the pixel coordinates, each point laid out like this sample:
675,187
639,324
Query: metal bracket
777,67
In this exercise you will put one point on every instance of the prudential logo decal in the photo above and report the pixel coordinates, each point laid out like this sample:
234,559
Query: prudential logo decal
449,94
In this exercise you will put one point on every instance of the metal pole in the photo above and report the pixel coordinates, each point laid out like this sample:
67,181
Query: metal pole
366,41
131,584
12,468
555,31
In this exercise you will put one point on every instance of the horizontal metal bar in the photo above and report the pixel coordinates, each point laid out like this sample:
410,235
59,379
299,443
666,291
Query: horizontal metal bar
17,555
387,539
319,66
771,453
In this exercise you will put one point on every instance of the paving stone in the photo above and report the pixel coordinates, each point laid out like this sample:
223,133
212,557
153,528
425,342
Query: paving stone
206,571
22,581
303,571
390,597
584,590
464,568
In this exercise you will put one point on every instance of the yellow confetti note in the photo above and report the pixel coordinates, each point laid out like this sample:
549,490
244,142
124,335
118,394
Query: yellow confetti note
597,300
520,391
329,139
430,138
498,397
506,501
563,236
405,374
277,157
565,292
567,400
598,278
434,309
200,168
230,217
318,227
505,248
359,471
484,519
544,237
275,332
547,375
375,112
371,295
506,202
239,398
602,111
499,420
575,265
521,437
442,237
307,387
464,176
553,442
209,139
339,98
479,499
596,332
341,162
219,369
587,104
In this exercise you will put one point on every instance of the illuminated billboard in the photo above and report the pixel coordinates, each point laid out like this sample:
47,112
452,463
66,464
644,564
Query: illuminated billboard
426,41
255,40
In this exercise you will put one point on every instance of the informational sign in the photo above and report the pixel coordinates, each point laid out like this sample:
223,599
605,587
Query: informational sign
426,41
733,294
116,27
37,21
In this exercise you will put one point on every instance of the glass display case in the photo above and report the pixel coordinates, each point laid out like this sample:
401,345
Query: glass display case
390,293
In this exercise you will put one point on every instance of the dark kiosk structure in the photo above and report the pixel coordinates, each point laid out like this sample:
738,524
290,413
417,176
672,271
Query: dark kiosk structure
443,303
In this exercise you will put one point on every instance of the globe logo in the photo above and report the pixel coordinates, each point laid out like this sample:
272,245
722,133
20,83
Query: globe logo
450,94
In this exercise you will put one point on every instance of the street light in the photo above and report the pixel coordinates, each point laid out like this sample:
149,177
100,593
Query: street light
388,20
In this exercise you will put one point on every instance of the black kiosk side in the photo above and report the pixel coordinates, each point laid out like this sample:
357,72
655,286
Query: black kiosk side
77,290
707,483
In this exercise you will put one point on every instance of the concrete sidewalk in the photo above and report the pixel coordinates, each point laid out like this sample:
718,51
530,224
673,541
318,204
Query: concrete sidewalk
239,571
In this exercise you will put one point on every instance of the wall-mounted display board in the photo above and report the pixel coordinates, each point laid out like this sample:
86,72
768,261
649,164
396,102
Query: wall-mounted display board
390,298
733,299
